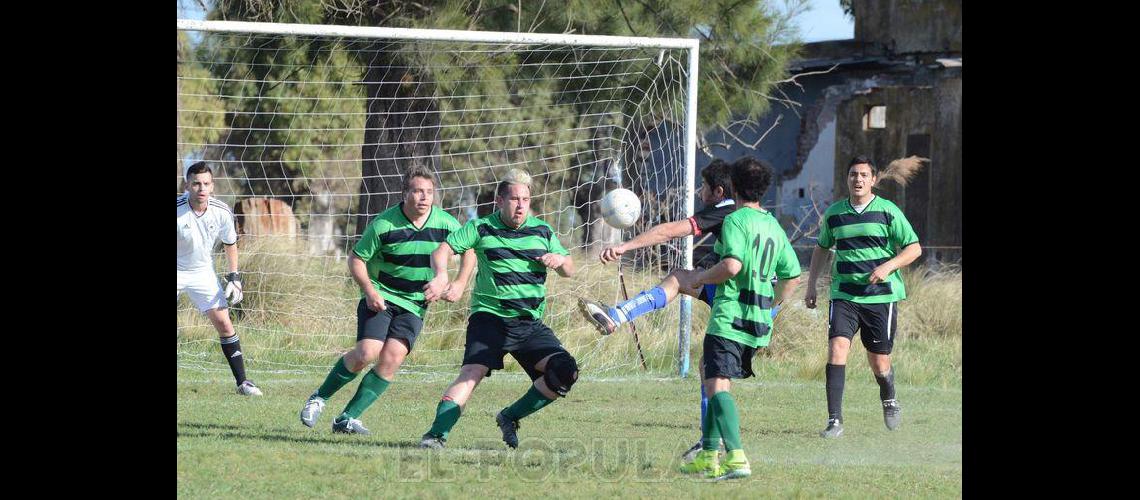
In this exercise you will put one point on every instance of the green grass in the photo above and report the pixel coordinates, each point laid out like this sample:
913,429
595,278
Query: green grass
619,433
615,436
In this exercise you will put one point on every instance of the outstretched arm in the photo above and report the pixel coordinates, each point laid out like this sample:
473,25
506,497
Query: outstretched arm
655,235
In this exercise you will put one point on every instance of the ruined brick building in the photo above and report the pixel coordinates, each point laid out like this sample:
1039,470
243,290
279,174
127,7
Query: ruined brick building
894,90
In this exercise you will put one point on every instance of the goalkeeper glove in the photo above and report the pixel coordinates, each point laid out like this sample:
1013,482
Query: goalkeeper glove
233,288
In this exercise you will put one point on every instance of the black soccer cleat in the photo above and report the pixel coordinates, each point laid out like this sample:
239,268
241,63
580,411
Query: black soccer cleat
509,428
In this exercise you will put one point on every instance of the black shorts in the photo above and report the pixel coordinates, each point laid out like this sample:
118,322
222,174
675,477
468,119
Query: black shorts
726,358
490,337
876,322
394,322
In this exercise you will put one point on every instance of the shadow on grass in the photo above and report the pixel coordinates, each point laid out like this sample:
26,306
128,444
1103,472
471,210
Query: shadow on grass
667,425
230,431
200,430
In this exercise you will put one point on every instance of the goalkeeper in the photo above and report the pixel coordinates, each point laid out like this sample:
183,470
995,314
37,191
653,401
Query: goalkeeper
514,251
202,221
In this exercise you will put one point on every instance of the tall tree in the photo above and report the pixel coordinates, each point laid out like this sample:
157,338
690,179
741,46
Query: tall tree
745,47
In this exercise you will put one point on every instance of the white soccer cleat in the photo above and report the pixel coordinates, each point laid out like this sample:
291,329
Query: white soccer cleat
312,410
834,429
596,313
247,388
350,426
892,414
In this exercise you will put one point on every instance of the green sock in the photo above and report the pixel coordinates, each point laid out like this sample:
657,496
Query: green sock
710,430
446,415
335,380
371,387
531,402
727,419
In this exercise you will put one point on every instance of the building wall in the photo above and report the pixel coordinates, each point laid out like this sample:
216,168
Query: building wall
908,26
923,120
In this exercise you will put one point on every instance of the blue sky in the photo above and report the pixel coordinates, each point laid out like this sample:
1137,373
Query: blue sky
824,20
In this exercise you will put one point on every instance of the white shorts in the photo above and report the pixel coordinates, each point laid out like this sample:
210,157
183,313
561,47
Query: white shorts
203,288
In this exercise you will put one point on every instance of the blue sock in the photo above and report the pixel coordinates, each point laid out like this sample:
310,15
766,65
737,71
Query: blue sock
645,302
704,405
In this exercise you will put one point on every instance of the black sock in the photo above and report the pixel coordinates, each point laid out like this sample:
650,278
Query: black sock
886,385
231,347
835,378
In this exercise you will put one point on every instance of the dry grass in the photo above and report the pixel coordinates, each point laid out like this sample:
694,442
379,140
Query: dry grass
299,314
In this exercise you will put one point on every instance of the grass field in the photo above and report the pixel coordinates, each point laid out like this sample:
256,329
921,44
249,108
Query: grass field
612,436
620,432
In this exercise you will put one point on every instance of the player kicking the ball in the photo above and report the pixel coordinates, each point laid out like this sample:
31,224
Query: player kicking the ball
514,252
752,249
715,191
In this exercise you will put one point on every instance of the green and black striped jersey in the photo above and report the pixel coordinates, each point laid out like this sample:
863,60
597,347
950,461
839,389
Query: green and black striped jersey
511,281
862,242
742,307
398,254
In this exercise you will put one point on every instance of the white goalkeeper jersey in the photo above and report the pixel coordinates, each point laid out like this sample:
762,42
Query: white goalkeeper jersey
197,235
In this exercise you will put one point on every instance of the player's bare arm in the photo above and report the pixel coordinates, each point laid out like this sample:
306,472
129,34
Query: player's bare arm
784,289
820,258
359,271
723,271
466,265
434,289
562,264
655,235
908,254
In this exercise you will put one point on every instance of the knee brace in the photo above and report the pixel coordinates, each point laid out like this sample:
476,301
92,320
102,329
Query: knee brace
561,373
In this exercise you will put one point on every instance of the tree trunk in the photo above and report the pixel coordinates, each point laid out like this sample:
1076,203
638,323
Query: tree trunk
401,131
322,223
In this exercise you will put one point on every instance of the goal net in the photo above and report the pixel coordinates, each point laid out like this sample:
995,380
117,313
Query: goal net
309,130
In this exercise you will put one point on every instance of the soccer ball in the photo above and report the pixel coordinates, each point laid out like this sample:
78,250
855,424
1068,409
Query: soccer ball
621,208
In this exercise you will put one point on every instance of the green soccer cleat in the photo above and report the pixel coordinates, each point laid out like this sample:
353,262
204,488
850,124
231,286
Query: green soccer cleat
735,467
706,461
691,453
